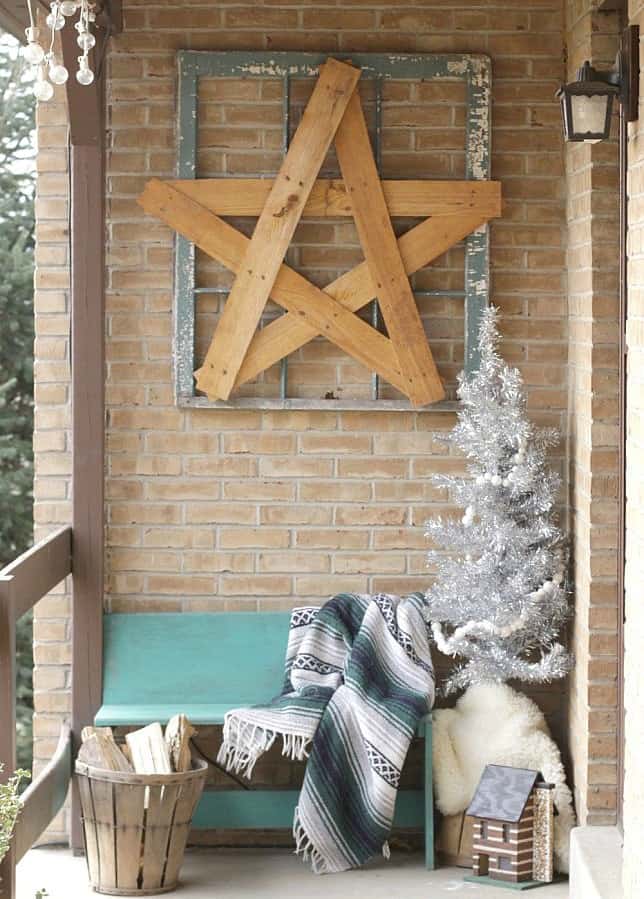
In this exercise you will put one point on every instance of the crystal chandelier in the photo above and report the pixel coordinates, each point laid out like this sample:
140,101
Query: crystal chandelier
49,70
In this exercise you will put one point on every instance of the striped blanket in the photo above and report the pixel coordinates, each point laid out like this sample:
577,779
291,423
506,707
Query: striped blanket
358,678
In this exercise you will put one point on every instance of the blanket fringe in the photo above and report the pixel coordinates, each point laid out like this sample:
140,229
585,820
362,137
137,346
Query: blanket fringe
305,848
295,746
244,742
242,745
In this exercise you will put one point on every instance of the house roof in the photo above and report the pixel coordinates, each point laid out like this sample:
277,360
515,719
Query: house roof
502,793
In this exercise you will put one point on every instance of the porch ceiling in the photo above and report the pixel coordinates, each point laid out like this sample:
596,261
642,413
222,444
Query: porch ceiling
14,17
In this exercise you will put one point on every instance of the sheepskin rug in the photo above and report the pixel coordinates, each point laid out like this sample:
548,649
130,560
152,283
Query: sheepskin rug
493,724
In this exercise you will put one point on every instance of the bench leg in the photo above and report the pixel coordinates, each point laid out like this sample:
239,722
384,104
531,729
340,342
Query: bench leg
429,799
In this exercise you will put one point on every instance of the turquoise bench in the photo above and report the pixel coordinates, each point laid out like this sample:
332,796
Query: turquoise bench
156,665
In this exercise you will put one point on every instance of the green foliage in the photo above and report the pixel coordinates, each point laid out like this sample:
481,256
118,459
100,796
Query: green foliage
9,808
16,344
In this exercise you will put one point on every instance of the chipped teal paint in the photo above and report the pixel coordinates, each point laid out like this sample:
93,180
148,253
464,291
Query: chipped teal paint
477,244
184,263
474,69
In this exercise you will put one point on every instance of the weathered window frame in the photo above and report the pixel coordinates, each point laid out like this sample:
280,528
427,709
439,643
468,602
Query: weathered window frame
474,69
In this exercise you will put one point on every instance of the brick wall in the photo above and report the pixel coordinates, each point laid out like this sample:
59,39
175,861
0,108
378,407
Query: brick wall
633,878
52,438
592,261
229,509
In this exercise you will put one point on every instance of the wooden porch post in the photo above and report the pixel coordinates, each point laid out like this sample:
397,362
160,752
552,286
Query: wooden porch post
86,129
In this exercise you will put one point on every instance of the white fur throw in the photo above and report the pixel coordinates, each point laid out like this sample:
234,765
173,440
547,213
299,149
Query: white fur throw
493,724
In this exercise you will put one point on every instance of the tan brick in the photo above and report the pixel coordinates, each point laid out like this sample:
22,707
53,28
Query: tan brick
233,538
295,562
257,585
182,584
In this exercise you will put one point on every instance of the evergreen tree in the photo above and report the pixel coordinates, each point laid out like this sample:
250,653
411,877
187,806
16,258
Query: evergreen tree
499,599
16,343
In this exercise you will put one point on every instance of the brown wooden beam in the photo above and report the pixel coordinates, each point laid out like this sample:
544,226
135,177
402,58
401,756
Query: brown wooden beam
37,571
87,264
87,137
84,102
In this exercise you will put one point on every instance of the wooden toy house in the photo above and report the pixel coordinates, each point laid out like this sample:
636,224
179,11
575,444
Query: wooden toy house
513,827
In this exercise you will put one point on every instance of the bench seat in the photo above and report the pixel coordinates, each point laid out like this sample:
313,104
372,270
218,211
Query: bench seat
125,715
129,714
156,665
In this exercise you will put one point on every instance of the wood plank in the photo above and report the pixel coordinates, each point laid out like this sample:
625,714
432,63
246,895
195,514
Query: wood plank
103,803
89,829
129,801
190,792
291,290
275,228
158,819
38,570
88,378
354,289
44,798
380,247
329,197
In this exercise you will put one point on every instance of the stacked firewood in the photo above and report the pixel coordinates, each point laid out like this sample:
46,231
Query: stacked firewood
145,751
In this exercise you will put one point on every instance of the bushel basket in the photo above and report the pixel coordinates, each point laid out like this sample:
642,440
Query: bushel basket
136,827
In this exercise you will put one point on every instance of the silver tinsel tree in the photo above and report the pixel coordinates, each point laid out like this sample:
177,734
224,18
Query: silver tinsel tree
499,599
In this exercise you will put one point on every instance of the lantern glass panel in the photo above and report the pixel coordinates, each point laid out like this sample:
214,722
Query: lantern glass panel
589,114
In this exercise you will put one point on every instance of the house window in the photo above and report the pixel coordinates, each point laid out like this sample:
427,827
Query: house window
483,830
504,864
506,833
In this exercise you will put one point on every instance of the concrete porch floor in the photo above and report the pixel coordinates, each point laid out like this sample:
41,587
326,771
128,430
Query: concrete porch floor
270,874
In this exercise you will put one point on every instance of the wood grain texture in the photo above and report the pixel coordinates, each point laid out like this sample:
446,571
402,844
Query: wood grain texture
354,289
88,430
38,570
380,247
291,290
329,197
136,826
149,751
105,822
275,228
129,812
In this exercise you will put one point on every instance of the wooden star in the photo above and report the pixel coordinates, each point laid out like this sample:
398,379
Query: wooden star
238,352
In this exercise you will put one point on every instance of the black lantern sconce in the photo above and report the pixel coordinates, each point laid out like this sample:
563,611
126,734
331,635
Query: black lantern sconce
587,103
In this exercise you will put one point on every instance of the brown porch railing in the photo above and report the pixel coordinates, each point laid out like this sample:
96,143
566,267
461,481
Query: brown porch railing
22,584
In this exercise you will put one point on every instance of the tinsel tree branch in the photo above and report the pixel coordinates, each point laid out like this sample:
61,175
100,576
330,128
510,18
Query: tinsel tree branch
500,597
